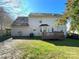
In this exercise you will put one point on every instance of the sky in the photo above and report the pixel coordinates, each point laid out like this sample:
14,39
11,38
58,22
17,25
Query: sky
24,7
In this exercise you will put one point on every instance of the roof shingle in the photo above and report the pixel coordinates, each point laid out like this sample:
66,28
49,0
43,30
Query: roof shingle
21,21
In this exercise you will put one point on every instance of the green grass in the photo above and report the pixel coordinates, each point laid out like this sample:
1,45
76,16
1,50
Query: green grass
37,49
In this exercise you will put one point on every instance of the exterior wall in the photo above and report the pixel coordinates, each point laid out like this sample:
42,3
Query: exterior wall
62,28
34,26
34,23
20,31
51,21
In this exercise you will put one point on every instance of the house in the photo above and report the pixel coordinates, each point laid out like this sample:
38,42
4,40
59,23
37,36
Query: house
5,20
37,23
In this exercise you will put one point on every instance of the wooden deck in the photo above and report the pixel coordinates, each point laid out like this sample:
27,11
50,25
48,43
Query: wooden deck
53,35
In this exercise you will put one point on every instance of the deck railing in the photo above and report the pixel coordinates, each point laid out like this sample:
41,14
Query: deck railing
53,35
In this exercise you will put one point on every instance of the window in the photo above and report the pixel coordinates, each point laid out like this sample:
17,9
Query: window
40,21
34,29
20,33
61,30
40,30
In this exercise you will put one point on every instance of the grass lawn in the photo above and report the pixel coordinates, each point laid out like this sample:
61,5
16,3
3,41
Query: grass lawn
38,49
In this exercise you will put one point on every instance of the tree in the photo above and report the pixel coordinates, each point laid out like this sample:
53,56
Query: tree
74,14
72,11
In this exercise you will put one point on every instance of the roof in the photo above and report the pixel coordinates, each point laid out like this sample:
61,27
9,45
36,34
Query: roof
21,21
44,15
44,25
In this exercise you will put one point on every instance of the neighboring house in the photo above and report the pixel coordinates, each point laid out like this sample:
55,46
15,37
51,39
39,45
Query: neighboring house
5,20
37,23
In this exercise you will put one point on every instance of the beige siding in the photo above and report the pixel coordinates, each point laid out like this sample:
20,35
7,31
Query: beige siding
34,26
25,31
